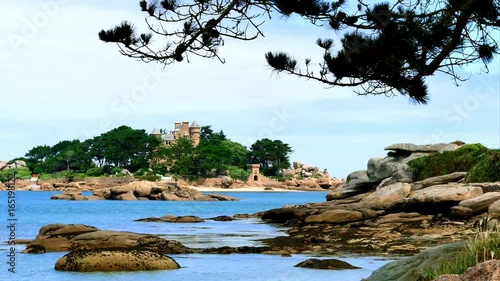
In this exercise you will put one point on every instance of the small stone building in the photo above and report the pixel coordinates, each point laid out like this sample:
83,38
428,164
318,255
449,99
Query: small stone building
255,175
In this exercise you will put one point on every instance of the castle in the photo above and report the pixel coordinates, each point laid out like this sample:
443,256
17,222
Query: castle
181,129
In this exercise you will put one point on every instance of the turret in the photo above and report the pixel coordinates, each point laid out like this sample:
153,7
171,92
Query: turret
156,133
194,133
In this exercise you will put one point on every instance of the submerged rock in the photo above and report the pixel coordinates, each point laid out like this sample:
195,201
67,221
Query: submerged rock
223,218
90,261
186,219
326,264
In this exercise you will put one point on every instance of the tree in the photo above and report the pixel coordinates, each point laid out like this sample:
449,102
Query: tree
125,147
387,48
272,155
179,156
35,158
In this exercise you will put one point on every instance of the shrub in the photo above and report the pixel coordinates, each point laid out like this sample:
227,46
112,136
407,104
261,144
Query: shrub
148,178
21,173
487,169
238,173
438,164
95,172
116,170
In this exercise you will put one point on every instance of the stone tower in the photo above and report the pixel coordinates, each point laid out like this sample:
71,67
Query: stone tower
194,133
255,175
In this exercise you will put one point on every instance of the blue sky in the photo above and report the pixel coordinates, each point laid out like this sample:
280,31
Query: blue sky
60,82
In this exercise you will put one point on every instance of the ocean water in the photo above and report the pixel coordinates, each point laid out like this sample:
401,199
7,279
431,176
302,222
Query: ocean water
35,209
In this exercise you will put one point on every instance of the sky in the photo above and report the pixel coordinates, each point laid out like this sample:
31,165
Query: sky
59,82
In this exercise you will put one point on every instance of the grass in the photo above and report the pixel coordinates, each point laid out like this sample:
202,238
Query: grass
487,169
464,159
484,246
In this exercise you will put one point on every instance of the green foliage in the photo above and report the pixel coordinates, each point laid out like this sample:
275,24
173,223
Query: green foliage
238,173
142,172
20,173
272,155
462,159
487,169
485,246
148,178
386,47
122,147
95,172
179,156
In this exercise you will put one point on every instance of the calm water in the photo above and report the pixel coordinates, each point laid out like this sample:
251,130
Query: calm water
35,209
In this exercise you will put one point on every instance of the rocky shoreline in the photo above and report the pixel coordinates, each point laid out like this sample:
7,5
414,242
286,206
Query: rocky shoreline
381,211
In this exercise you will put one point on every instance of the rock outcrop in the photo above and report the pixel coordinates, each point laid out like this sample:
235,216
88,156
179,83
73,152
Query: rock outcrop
77,237
367,216
16,164
107,261
308,175
409,269
392,169
143,190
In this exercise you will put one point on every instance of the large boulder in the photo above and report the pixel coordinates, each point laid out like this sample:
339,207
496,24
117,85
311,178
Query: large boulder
356,183
3,165
125,241
494,210
226,182
480,203
461,212
66,237
335,216
453,177
90,261
56,237
387,197
128,196
382,168
485,271
405,175
444,193
411,268
427,148
488,186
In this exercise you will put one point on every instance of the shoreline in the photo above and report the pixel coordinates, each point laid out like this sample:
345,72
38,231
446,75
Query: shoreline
243,189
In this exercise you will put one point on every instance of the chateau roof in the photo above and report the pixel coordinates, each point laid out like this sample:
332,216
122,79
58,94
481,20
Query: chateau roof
168,137
195,125
156,132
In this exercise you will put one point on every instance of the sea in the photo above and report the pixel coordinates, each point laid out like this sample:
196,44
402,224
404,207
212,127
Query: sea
35,209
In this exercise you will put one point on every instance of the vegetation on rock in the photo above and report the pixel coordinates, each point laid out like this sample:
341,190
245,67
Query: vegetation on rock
479,161
487,169
485,246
